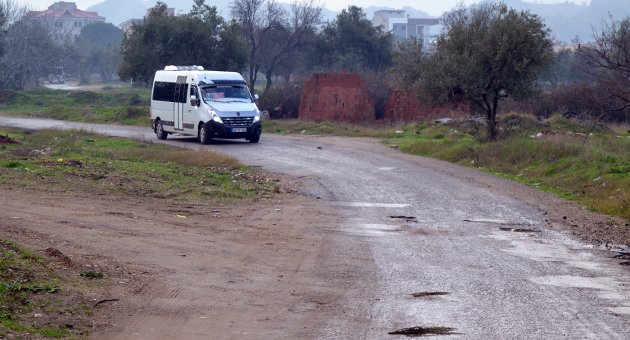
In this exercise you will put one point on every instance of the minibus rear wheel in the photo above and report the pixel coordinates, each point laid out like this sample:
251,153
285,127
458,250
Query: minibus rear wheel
159,130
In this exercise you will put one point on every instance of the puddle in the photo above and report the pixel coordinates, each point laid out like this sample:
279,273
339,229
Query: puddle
492,220
372,205
427,294
406,218
373,229
620,310
520,230
424,331
567,281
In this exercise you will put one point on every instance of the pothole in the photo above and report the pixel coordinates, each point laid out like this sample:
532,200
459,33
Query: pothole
622,256
424,331
406,218
520,230
427,294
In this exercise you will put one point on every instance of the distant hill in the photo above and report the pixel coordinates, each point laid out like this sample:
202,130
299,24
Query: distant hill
567,21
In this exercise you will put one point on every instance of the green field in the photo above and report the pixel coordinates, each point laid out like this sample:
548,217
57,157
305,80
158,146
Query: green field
28,287
80,161
592,169
127,106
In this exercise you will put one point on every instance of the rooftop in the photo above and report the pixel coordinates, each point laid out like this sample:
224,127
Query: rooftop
63,10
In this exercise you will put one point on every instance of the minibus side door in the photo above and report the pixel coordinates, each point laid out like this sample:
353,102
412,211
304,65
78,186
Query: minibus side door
192,116
179,102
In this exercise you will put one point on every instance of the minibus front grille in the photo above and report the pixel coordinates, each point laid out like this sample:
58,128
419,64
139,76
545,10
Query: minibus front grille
238,121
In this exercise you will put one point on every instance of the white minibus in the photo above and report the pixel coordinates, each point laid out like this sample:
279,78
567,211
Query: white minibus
207,104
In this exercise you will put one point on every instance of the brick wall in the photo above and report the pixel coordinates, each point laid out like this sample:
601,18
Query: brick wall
343,97
336,97
403,106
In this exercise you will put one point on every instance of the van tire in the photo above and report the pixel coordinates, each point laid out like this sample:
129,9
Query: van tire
254,139
203,134
159,130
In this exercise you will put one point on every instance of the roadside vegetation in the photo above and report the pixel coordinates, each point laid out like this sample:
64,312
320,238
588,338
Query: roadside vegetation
34,301
573,160
82,162
125,106
306,127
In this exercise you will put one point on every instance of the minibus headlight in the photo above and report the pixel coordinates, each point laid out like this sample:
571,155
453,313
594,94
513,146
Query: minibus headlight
215,117
257,117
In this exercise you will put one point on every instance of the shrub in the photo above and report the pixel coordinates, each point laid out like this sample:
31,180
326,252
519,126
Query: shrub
282,101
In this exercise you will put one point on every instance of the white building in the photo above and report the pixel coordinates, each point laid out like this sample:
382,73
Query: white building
66,18
403,27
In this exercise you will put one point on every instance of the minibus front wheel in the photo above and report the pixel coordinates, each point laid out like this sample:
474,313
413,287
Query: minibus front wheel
204,134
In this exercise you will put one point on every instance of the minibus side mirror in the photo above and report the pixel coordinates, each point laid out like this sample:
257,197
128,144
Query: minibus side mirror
194,101
256,97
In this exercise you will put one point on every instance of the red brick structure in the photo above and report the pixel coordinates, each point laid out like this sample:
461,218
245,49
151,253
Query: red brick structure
336,97
342,97
402,106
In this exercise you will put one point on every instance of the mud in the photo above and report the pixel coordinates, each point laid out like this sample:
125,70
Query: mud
225,269
8,140
424,331
520,230
405,218
427,294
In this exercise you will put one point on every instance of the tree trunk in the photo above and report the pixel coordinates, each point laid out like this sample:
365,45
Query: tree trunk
268,77
252,71
493,131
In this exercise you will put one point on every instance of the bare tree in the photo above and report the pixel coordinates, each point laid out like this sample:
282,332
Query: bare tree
257,17
288,37
610,52
272,33
10,12
33,54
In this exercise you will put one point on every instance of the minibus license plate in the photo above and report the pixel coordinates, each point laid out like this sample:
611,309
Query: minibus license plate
239,129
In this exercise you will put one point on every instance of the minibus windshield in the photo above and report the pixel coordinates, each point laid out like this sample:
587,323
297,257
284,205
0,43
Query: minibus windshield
226,93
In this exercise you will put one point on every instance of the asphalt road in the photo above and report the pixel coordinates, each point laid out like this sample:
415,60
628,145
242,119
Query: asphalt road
483,263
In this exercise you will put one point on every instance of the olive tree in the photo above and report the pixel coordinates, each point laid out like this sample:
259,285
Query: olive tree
486,53
200,37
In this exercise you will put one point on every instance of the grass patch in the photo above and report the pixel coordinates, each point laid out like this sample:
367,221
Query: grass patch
26,282
128,106
296,126
75,161
92,275
595,173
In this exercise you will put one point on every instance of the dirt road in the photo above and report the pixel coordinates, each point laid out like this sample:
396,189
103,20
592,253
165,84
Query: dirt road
369,229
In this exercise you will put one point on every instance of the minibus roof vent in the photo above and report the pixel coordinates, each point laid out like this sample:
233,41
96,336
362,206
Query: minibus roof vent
183,68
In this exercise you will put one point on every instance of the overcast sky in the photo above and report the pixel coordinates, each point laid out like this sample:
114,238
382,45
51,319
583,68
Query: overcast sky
433,7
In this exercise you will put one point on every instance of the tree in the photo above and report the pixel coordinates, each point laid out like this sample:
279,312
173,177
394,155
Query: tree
257,18
281,44
409,59
196,38
10,12
610,52
487,53
33,54
568,68
98,49
351,43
